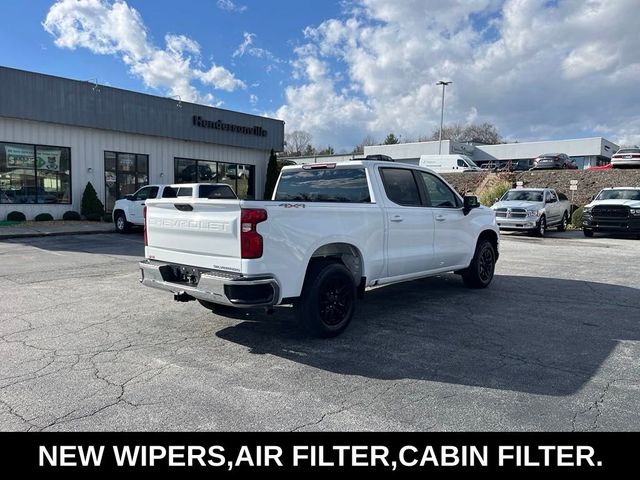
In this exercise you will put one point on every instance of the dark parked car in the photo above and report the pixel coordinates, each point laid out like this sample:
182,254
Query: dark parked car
34,195
554,161
205,174
513,166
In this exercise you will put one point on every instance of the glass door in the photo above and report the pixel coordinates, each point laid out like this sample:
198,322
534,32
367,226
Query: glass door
124,174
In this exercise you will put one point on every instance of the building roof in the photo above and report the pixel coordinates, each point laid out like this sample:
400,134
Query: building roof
46,98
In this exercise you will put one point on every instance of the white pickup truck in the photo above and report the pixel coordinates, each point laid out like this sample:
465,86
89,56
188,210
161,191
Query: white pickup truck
533,210
330,231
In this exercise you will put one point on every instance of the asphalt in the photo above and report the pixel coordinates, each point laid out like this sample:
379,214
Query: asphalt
552,345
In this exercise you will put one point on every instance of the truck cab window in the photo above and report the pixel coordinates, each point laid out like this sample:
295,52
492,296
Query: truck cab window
345,185
440,194
401,187
145,193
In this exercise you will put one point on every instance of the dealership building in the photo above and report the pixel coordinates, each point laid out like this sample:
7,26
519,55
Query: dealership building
57,135
586,152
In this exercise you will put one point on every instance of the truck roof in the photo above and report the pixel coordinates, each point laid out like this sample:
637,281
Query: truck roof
349,163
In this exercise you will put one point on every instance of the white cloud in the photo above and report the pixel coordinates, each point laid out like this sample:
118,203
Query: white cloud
247,47
253,99
536,69
230,6
114,28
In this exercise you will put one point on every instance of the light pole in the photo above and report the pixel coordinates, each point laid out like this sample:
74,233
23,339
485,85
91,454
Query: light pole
444,84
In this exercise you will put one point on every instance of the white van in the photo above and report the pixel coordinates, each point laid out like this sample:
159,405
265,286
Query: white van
448,163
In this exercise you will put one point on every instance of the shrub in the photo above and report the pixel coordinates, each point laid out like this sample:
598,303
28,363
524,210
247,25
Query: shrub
71,215
576,218
107,218
272,176
44,217
91,208
489,196
16,217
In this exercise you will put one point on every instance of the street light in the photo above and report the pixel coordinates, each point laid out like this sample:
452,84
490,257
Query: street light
444,84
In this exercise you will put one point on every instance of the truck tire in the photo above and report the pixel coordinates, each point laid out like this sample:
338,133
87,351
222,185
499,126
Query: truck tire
587,233
541,228
563,223
120,221
328,300
480,273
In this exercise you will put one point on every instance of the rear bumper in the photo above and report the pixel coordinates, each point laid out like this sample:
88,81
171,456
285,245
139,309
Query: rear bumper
625,162
219,287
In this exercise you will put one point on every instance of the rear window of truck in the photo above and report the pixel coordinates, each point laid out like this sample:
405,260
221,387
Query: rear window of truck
345,185
216,191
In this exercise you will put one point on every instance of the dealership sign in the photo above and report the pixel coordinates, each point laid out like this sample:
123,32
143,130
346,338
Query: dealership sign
198,121
19,157
22,157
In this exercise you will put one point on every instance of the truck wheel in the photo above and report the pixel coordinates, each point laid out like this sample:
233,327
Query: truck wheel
122,226
328,300
563,223
541,229
587,233
480,273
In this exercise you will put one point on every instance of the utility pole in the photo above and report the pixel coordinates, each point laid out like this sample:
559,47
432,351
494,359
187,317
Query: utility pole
444,84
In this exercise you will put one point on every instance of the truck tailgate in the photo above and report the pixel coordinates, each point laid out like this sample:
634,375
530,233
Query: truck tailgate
199,233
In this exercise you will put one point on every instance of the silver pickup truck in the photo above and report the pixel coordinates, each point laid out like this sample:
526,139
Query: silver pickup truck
532,210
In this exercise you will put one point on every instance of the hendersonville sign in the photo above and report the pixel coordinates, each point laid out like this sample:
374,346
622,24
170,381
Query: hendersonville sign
198,121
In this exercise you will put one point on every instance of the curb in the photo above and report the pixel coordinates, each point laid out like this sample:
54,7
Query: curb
53,234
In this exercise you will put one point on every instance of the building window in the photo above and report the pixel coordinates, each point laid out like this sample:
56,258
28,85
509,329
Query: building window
124,174
240,177
34,173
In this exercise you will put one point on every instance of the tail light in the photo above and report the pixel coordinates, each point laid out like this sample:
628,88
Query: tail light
250,239
144,214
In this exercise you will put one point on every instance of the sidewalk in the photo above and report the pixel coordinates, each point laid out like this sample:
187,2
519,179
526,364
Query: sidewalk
55,228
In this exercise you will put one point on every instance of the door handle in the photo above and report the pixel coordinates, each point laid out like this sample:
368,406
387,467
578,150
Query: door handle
440,218
396,218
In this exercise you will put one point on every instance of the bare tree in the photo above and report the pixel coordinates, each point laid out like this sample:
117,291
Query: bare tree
297,142
366,142
453,131
486,133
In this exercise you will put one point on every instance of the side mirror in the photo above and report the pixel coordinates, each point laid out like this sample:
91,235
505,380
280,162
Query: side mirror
470,202
128,197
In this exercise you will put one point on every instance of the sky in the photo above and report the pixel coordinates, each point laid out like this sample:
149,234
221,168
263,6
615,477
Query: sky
349,69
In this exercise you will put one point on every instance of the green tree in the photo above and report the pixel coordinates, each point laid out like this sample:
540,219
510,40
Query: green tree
327,151
391,139
91,206
272,175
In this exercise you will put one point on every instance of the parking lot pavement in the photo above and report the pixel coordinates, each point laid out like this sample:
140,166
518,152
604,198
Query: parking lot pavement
553,344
